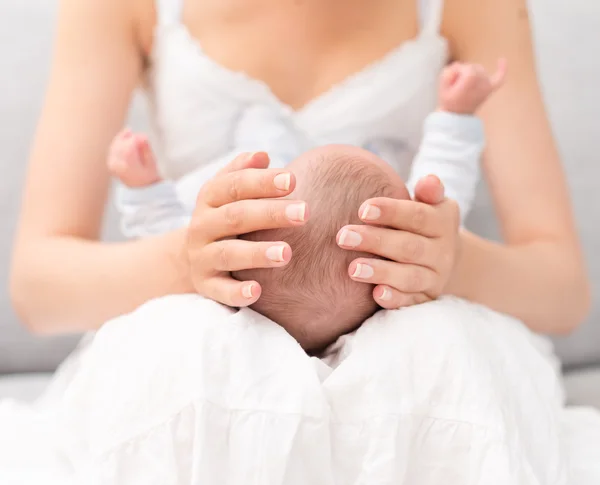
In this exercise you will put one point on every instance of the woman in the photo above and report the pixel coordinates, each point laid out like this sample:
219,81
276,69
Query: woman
60,281
351,72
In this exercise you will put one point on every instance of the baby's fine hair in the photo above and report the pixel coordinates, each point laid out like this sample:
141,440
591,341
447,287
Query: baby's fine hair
313,297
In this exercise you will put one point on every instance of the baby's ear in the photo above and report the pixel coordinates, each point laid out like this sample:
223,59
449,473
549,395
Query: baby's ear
429,190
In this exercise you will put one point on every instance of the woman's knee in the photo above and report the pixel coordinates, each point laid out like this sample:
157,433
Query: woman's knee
443,355
178,351
433,331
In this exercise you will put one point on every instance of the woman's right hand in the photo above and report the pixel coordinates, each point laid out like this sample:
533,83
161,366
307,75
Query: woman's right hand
238,201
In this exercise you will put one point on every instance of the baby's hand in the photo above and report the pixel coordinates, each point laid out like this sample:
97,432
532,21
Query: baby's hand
465,87
131,160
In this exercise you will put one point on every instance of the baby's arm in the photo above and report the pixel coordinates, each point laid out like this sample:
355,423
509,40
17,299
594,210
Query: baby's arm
451,150
453,139
147,205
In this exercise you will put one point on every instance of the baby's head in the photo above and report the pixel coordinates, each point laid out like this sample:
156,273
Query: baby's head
313,297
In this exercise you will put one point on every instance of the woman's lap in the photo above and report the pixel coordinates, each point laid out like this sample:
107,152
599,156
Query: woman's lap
440,393
446,392
185,387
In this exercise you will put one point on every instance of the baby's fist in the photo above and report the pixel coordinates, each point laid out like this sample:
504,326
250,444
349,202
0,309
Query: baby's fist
130,159
465,87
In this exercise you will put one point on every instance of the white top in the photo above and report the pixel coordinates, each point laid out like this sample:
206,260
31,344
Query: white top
204,114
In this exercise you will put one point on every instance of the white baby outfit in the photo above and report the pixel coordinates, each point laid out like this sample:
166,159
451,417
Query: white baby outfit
451,149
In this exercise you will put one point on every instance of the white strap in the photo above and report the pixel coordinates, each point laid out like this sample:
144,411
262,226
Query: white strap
169,11
431,12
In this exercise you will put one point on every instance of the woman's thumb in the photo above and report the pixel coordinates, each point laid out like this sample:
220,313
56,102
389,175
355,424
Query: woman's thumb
246,160
429,190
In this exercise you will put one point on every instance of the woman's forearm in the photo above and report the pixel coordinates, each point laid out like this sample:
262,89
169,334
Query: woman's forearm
541,283
64,284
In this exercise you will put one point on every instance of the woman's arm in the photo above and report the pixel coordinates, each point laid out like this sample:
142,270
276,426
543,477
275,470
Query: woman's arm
538,274
63,279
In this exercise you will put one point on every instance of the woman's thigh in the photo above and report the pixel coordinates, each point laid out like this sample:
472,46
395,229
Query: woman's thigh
447,392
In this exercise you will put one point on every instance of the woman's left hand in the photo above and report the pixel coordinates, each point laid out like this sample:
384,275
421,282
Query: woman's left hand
419,241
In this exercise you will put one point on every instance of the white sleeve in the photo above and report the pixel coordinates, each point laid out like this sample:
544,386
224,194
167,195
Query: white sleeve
149,211
451,149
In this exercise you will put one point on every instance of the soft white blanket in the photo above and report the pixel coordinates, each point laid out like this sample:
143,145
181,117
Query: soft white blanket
185,391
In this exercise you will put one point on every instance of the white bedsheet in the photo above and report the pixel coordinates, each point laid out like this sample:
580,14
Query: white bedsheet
184,391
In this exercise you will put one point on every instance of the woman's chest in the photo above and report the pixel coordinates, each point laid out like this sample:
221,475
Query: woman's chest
230,87
299,48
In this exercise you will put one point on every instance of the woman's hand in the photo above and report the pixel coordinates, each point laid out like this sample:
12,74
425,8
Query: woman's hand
418,239
236,202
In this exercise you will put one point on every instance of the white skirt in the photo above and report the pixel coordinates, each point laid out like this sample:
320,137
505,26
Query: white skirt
185,391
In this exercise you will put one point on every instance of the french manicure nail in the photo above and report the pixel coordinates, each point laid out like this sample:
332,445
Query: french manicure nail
350,239
363,271
296,212
247,291
275,254
282,181
386,295
370,213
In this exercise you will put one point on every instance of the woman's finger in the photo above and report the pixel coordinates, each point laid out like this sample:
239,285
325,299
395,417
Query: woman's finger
430,190
399,246
246,160
392,299
236,254
405,215
230,292
249,216
406,278
247,184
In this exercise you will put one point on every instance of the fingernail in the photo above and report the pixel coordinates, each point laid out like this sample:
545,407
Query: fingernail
386,295
275,254
247,291
283,181
370,213
350,239
296,212
363,271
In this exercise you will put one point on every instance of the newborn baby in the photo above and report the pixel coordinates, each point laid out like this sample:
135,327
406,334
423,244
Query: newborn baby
312,297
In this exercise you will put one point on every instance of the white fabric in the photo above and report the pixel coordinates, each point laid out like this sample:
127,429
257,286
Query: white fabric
204,114
186,391
451,149
222,397
152,210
